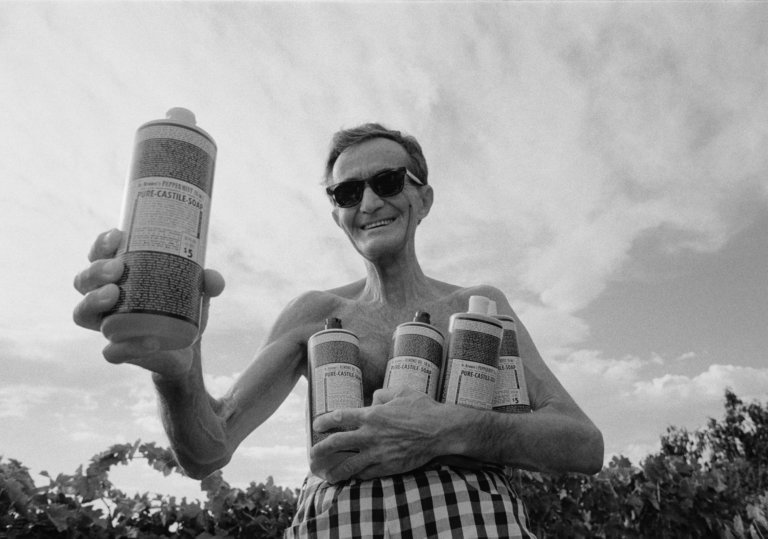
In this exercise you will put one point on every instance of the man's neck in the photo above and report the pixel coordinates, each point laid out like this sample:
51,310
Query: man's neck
396,283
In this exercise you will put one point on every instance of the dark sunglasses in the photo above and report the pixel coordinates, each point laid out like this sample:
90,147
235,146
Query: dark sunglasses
386,183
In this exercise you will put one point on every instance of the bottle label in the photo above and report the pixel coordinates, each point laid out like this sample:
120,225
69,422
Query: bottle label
174,151
510,388
336,385
413,372
475,340
167,216
417,340
471,384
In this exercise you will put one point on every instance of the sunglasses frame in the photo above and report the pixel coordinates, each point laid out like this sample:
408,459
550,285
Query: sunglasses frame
330,191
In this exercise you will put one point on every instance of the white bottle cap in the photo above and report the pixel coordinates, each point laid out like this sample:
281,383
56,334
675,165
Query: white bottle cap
492,311
478,304
182,116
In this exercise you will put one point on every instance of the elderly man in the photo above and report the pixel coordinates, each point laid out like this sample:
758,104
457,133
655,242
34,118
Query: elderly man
402,477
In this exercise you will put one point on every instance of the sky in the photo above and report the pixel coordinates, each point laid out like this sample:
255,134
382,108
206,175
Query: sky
601,163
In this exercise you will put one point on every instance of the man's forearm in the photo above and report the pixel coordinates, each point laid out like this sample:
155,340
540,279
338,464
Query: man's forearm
194,428
541,440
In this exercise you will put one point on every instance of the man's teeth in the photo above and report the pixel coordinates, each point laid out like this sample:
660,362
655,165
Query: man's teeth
377,224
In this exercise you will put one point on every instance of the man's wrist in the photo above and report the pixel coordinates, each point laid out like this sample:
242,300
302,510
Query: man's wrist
480,435
455,432
170,382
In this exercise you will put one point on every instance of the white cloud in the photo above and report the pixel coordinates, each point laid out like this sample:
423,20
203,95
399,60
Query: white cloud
686,356
218,385
287,464
88,436
551,170
137,477
554,331
639,141
278,452
747,382
17,400
633,400
557,136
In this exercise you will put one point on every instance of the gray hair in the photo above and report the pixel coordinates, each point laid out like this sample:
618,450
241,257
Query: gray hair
346,138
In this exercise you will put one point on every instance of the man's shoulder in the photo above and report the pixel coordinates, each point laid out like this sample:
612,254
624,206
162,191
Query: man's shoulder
317,304
345,292
313,302
455,298
463,293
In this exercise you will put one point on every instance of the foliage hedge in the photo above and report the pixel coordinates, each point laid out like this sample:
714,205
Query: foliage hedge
712,482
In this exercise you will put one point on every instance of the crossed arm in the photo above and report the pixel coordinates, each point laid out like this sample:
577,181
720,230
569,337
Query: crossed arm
405,429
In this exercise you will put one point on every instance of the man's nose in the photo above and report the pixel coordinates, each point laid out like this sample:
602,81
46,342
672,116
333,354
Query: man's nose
371,201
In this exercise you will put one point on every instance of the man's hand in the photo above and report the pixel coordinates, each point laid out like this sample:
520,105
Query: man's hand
98,285
399,432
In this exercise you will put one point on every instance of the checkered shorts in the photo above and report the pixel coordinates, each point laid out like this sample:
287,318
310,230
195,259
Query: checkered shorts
439,501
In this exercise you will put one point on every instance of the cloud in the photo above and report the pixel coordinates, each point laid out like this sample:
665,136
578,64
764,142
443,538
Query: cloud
748,382
278,452
17,400
219,385
636,129
564,179
287,464
558,138
137,477
554,331
633,400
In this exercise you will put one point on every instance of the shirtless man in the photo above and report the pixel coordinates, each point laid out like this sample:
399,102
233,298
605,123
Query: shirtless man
399,481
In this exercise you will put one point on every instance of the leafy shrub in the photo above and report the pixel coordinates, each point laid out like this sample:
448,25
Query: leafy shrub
86,504
709,483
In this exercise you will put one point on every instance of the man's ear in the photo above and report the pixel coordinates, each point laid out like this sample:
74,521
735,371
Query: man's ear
427,198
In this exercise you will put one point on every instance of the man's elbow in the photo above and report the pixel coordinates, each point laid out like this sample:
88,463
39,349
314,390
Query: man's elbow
199,469
594,453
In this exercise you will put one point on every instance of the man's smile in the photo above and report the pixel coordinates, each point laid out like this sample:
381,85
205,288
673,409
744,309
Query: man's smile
377,224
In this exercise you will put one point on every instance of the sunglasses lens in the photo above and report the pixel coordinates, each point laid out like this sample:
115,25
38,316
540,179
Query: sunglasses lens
348,194
389,183
384,184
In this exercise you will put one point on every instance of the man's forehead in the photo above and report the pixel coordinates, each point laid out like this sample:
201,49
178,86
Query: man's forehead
361,160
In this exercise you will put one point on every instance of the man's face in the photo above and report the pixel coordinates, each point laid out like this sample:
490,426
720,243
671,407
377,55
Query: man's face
379,226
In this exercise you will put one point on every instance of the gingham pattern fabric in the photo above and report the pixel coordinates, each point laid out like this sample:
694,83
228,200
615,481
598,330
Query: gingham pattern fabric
439,502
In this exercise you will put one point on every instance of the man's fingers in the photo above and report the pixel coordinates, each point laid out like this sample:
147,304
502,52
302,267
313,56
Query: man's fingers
384,395
98,274
129,351
144,353
349,468
345,418
89,312
213,283
106,245
370,472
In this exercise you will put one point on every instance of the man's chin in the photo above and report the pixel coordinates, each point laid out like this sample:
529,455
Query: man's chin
375,249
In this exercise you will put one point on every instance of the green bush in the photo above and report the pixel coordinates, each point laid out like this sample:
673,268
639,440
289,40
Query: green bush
709,483
86,504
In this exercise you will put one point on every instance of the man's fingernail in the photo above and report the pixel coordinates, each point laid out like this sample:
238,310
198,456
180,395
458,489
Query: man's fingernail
110,236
